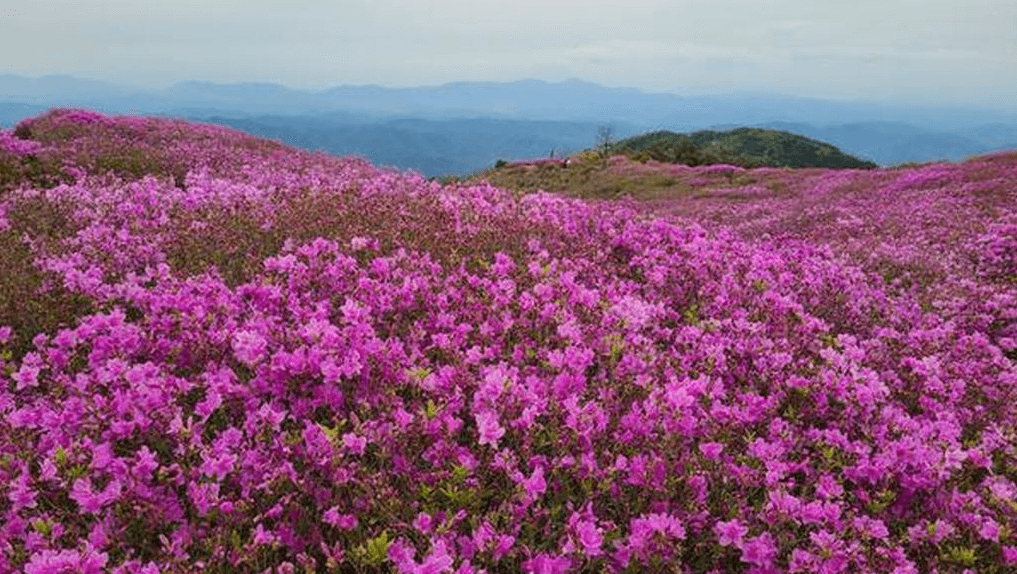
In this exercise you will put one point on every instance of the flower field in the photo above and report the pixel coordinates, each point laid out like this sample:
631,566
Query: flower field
220,354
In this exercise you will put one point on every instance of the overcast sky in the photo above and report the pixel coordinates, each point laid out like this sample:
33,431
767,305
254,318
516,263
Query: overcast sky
914,51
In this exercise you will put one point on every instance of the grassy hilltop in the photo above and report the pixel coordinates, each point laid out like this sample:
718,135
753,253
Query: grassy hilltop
221,354
592,174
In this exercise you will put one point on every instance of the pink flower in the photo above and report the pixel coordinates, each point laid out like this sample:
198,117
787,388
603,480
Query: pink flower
87,499
401,553
490,430
870,527
341,521
423,523
730,533
812,513
1010,555
828,487
989,530
249,347
203,496
505,543
49,562
437,561
544,564
759,551
218,466
262,536
801,561
535,486
27,376
355,444
590,538
711,450
483,534
665,523
22,495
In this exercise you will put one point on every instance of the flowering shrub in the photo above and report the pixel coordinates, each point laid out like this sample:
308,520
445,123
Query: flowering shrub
392,375
12,145
721,168
995,251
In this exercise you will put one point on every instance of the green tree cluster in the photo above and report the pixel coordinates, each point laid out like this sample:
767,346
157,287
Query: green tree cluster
745,147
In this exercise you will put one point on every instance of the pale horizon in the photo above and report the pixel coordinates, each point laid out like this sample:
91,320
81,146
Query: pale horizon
924,54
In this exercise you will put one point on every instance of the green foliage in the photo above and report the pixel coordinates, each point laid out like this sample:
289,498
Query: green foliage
680,149
31,300
744,147
42,170
374,553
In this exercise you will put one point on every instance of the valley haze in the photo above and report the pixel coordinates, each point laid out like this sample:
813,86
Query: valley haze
463,127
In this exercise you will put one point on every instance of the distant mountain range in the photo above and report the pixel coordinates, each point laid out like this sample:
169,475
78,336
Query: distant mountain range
464,127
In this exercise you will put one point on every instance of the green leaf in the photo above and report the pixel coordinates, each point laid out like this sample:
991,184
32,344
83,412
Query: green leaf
331,433
78,471
419,373
43,527
431,410
377,549
424,492
961,555
459,474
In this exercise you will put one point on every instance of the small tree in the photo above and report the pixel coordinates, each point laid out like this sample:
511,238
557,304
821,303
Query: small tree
604,141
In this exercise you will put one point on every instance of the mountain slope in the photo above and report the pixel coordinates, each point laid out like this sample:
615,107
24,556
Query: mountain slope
747,147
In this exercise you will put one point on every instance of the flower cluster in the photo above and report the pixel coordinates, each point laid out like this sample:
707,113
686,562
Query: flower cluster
417,378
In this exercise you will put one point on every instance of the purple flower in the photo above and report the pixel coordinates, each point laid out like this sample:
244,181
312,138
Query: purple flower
801,561
483,534
870,527
437,562
87,499
535,485
218,466
828,487
27,376
261,536
589,537
759,551
22,495
1010,555
249,347
730,533
354,443
423,523
490,430
505,543
989,530
341,521
49,562
544,564
711,450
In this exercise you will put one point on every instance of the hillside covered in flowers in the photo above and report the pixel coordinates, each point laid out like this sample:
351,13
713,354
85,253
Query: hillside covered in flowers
223,354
